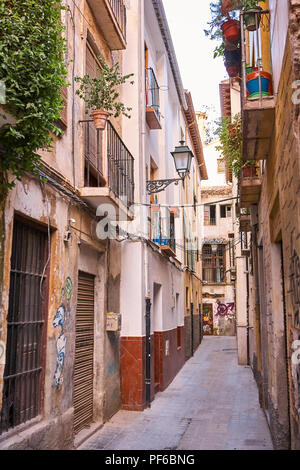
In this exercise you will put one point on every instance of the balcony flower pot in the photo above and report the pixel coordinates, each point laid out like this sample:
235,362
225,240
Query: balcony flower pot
100,118
249,171
232,57
252,81
230,46
231,30
229,5
249,18
233,70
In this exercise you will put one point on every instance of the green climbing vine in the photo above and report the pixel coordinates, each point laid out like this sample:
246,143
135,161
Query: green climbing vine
33,72
230,134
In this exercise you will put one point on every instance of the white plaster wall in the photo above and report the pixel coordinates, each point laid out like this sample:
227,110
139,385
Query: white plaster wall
211,155
279,11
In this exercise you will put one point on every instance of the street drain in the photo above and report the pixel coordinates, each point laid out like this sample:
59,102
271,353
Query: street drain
229,350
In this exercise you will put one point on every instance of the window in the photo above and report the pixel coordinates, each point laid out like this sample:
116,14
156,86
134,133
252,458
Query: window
220,166
210,215
214,263
24,367
225,211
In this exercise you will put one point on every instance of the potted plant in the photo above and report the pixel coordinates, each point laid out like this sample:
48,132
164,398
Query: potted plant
231,30
229,5
249,169
232,61
251,7
252,82
101,95
224,28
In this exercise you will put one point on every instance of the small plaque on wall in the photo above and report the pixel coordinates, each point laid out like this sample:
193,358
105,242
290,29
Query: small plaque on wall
113,322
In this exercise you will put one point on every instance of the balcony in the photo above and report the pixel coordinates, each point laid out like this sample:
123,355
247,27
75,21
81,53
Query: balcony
245,220
258,101
250,185
163,231
152,100
109,170
110,16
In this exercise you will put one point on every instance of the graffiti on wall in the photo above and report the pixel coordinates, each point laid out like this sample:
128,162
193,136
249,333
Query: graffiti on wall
225,310
58,322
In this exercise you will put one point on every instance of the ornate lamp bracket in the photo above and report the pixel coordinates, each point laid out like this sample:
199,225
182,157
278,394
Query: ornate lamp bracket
157,186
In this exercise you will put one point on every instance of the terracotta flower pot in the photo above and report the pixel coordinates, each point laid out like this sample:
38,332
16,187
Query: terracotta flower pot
229,5
233,70
100,119
231,30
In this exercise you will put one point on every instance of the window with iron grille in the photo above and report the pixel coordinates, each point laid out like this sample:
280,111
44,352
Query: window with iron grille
213,258
23,373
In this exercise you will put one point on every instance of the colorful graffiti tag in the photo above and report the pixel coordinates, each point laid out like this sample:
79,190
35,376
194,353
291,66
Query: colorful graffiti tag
225,310
58,322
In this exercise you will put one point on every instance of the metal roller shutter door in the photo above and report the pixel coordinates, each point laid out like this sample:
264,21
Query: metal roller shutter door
84,353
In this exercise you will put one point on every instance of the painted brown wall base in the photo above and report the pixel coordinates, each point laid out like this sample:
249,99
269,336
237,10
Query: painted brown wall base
133,366
167,367
133,372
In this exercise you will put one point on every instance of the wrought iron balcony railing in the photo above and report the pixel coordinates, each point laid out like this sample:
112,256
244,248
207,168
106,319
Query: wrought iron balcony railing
117,172
120,166
110,17
152,100
257,95
119,10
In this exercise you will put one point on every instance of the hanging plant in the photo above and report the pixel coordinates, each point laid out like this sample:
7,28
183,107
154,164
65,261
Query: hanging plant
231,144
251,7
227,37
33,72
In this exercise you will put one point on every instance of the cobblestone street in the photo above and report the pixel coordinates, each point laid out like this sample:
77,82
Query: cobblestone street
211,405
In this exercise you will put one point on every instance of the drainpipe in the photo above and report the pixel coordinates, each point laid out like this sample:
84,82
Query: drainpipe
247,307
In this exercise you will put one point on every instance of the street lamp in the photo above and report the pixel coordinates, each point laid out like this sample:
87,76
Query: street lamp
182,159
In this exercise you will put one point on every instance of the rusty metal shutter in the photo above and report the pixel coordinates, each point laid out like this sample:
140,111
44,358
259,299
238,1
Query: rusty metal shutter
84,353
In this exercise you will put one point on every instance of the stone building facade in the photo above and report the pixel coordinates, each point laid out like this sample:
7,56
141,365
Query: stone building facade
61,368
273,222
90,324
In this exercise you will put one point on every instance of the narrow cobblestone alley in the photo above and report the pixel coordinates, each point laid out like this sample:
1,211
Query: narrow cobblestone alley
211,405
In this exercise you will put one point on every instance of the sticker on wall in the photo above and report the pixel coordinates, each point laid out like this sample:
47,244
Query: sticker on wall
58,322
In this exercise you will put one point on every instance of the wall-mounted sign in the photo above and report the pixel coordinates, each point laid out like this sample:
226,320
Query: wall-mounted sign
113,322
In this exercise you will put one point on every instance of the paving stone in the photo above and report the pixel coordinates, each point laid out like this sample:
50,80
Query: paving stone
211,405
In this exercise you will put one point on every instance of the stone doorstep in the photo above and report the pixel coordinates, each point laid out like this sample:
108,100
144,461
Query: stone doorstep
87,433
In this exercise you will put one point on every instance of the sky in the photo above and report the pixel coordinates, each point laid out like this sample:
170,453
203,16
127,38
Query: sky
200,72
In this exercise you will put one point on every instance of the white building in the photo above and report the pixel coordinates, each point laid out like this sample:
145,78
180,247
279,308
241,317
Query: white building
218,244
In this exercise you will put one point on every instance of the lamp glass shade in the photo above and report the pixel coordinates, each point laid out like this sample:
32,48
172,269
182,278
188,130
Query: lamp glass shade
182,159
